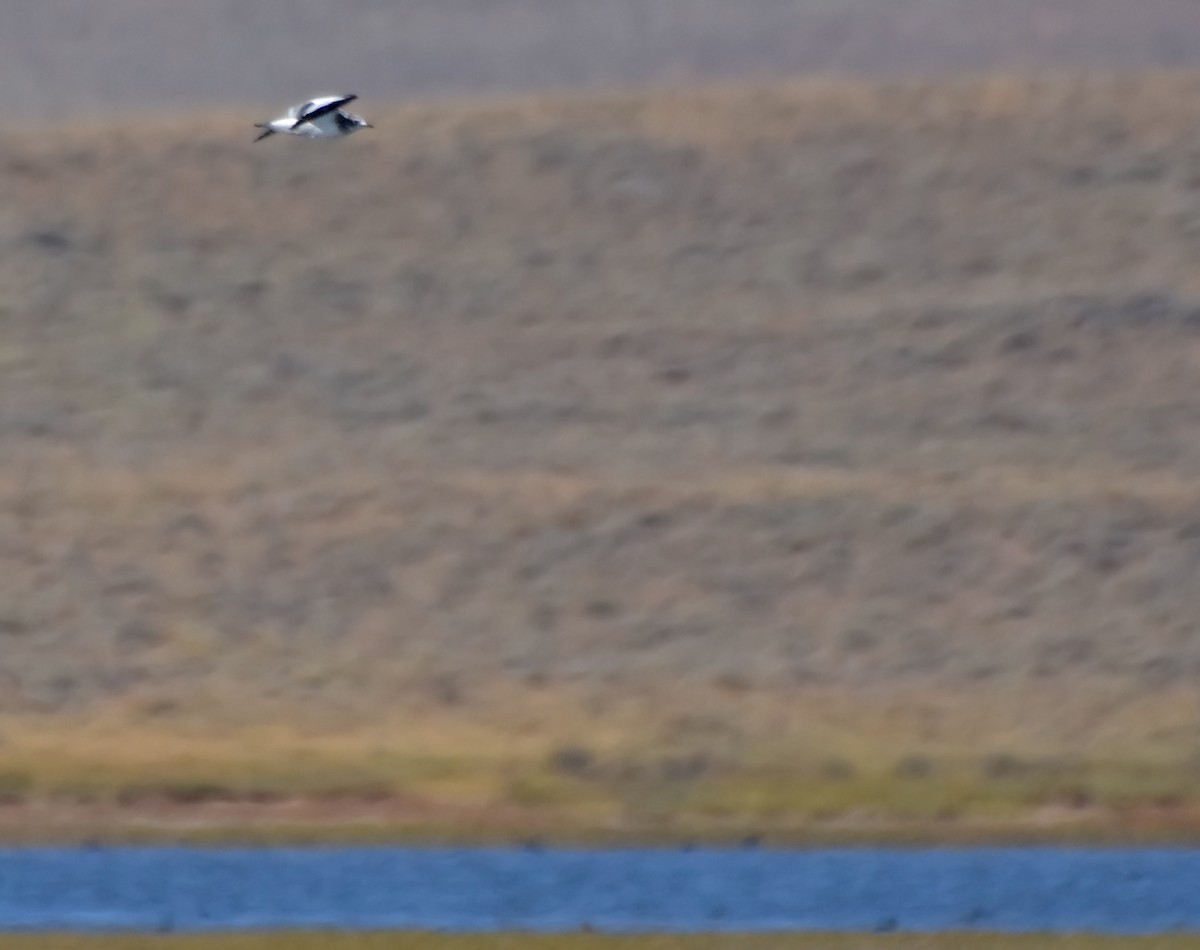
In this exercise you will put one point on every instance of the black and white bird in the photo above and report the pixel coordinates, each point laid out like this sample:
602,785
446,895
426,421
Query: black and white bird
322,117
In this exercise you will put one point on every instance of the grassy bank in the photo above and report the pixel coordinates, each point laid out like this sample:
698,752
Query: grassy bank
636,774
422,941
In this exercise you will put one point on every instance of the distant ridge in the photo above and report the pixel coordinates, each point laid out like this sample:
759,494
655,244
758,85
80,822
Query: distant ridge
75,56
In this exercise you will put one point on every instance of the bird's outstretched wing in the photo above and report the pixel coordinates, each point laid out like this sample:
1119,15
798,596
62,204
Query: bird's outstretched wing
318,107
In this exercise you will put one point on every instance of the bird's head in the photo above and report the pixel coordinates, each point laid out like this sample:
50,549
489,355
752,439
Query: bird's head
347,122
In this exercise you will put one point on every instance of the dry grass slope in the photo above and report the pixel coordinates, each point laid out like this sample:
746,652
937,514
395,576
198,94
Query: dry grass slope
831,417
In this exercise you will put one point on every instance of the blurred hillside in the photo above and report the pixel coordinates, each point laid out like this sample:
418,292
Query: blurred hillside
835,387
73,56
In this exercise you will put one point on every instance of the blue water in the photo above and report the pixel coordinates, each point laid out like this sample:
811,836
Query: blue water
473,889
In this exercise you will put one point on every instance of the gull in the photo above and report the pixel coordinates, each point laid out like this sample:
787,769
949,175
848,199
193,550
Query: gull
319,118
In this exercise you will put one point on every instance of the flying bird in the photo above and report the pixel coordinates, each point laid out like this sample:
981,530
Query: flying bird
322,117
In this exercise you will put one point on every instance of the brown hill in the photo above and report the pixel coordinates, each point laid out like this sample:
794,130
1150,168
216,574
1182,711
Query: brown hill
802,460
74,56
825,389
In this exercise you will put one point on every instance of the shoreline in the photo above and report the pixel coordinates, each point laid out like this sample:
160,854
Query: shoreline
536,767
395,822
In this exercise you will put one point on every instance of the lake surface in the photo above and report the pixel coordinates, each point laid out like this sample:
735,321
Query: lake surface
482,889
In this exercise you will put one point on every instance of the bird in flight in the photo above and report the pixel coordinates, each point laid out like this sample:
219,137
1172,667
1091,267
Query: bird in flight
321,117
